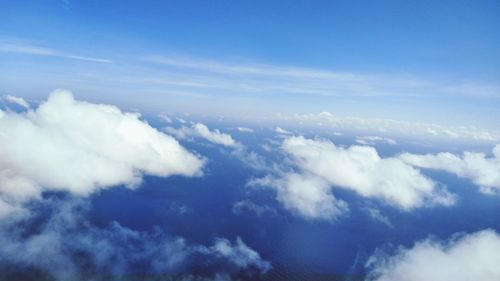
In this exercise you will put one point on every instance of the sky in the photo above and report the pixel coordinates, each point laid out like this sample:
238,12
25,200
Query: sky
250,140
418,61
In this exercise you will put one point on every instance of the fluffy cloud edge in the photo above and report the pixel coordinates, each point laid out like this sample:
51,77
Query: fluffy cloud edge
316,167
200,130
80,147
482,170
465,257
361,169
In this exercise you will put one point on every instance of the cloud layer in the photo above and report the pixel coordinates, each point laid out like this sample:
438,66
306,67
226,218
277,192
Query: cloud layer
394,128
80,147
64,245
469,257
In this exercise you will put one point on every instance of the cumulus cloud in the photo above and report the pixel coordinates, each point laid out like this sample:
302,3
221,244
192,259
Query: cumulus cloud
202,131
361,169
17,100
306,195
80,147
482,170
320,166
65,245
468,257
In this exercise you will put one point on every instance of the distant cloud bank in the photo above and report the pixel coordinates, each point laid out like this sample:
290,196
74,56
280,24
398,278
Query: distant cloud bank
387,128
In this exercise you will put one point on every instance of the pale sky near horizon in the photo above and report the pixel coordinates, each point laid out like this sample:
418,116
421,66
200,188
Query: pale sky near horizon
422,61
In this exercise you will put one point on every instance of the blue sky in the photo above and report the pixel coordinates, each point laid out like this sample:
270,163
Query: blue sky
429,61
250,140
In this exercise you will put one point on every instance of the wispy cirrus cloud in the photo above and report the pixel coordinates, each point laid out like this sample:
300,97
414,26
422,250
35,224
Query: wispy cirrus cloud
255,88
29,49
317,81
287,79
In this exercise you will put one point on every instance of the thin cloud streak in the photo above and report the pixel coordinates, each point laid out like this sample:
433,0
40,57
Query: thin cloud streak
302,80
265,88
287,79
20,48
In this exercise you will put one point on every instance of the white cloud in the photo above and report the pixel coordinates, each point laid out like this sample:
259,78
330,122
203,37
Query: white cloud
306,195
240,254
247,205
65,245
469,257
282,131
395,128
320,166
372,140
244,129
250,158
214,136
17,100
310,81
482,170
164,117
361,169
23,48
80,147
378,216
202,131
